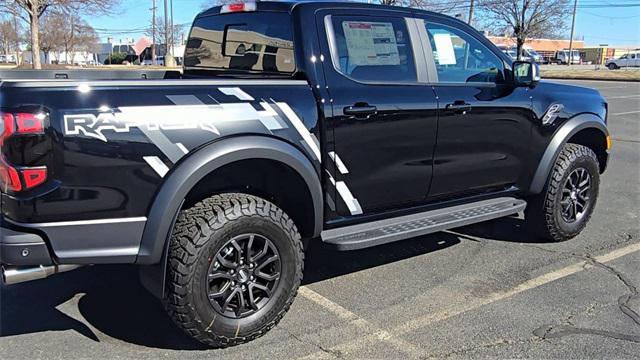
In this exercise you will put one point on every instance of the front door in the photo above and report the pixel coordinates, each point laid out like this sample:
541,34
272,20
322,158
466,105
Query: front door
384,119
484,124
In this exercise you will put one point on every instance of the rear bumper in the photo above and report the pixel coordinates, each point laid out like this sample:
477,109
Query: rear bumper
101,241
23,249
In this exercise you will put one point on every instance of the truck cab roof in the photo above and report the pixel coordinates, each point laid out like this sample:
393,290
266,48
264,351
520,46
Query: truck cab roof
288,6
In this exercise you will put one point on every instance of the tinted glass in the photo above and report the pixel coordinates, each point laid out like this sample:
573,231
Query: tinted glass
373,49
246,42
461,58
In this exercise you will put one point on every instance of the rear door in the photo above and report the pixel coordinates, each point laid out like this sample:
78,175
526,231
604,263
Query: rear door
484,123
384,114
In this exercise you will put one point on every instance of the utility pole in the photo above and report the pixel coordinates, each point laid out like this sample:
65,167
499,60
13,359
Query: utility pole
470,12
109,40
17,39
172,28
153,32
573,26
168,57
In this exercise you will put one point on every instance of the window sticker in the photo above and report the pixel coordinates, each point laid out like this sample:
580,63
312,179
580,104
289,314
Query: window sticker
444,49
371,43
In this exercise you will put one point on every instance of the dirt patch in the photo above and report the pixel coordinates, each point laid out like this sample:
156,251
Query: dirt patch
621,75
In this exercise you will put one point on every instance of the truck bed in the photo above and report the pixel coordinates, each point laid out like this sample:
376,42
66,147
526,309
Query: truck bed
88,74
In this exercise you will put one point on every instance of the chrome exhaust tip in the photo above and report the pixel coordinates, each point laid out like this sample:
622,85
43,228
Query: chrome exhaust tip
18,275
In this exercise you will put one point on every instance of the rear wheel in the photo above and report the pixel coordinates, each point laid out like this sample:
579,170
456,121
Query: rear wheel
565,206
235,264
612,66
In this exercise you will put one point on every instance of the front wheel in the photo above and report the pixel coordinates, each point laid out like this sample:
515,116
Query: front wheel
612,66
565,205
235,265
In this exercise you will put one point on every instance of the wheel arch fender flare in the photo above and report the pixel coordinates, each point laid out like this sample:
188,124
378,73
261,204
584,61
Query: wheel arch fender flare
202,162
558,140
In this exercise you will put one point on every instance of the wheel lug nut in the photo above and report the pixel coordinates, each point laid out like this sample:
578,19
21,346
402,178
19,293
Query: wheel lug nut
252,277
232,271
241,262
243,287
233,283
251,266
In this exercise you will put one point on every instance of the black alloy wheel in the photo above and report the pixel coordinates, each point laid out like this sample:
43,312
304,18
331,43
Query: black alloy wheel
244,274
575,195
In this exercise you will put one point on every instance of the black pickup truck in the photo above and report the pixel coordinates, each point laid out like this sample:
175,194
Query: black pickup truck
346,123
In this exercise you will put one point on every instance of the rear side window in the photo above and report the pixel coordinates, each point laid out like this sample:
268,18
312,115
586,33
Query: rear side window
242,42
373,49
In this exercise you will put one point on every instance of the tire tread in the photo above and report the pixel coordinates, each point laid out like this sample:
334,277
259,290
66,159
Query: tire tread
192,231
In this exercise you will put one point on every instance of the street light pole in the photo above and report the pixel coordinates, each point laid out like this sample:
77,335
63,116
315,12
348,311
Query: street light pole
470,13
573,26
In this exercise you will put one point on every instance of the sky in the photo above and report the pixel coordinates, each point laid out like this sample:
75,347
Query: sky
610,24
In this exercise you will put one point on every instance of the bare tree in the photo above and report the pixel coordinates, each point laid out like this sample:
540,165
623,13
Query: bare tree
66,33
32,10
159,32
526,19
11,36
432,5
52,37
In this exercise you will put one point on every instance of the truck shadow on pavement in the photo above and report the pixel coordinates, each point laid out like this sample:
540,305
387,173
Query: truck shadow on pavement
111,300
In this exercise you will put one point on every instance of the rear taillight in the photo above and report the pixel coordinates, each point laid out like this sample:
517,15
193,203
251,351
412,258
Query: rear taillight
9,178
29,123
12,178
238,7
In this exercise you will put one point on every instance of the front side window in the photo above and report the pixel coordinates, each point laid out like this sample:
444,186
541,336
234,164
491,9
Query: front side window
373,49
461,58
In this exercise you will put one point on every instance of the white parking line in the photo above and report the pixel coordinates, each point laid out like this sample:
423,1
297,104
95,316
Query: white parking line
626,113
473,304
362,324
622,97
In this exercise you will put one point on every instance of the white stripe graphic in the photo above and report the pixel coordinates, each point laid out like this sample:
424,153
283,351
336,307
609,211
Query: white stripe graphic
237,92
347,196
336,159
157,165
301,128
182,147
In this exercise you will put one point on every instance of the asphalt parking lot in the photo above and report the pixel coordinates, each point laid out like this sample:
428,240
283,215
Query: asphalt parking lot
488,290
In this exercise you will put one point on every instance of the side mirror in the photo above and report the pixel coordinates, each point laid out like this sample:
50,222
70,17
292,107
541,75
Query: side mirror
525,73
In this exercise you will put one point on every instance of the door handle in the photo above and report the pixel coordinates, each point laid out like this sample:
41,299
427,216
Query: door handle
360,111
459,106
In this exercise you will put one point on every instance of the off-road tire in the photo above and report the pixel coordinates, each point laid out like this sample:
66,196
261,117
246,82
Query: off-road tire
543,213
198,235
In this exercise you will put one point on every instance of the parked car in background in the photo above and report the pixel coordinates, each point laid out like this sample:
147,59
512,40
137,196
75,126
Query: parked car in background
527,54
512,53
626,60
159,61
562,57
533,55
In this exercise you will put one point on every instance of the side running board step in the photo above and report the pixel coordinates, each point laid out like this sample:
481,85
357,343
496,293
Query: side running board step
388,230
